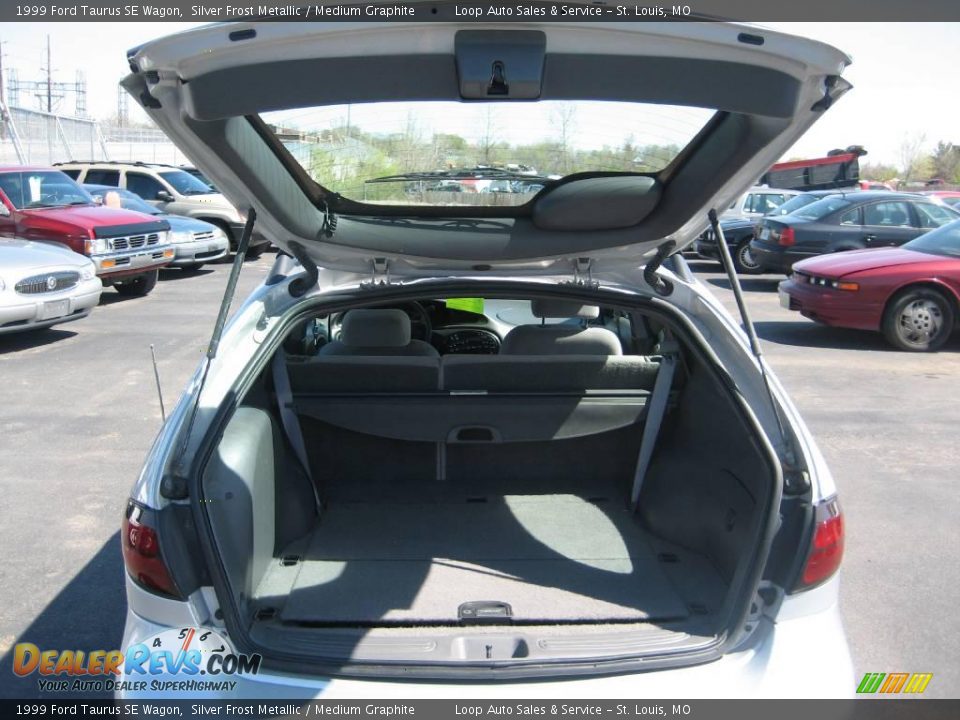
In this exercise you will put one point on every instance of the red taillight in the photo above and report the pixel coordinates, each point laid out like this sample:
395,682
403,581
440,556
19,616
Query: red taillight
786,237
826,548
141,553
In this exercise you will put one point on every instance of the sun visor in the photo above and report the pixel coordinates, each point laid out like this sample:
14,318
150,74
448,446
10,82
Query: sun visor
597,203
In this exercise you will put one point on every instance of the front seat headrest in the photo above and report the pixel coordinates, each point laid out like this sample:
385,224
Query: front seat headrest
563,309
375,328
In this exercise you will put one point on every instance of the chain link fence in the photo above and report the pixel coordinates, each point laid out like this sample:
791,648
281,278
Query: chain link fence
33,137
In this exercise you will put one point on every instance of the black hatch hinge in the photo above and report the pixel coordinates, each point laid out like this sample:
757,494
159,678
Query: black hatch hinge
583,274
300,285
824,103
329,227
660,285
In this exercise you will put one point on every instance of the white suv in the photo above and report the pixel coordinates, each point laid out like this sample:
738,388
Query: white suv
498,444
170,189
759,201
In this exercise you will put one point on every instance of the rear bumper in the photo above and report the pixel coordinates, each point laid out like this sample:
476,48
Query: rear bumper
707,249
773,258
200,251
804,656
122,264
50,309
839,308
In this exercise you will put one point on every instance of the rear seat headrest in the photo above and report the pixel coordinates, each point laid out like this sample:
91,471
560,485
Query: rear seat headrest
375,328
563,309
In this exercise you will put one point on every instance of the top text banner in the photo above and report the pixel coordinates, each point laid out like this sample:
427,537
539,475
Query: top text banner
515,11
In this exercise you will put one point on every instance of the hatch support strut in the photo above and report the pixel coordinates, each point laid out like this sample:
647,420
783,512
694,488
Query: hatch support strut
751,332
174,486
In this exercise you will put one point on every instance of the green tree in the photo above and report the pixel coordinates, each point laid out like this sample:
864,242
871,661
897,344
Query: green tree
946,162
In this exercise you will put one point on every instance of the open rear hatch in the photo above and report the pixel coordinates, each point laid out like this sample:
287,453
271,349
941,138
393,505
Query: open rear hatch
210,89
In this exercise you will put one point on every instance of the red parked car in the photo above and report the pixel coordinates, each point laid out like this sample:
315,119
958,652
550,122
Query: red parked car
43,204
950,197
910,293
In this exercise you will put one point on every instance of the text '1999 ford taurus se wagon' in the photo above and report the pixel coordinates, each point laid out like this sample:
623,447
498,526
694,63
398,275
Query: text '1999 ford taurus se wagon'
476,426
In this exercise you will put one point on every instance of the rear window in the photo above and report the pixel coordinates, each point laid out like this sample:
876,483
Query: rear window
821,208
452,153
795,203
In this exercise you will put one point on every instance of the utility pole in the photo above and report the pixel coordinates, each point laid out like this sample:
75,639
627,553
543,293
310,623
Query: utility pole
3,106
2,96
49,79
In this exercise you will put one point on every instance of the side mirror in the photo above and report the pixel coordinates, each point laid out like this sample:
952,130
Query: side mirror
4,210
98,199
164,196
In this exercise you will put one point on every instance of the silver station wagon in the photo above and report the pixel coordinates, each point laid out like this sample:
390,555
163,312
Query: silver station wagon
460,436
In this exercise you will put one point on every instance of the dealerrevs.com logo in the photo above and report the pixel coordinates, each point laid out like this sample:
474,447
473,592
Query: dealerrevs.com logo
185,660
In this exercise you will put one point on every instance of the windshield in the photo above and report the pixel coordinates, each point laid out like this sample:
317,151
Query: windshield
795,203
451,153
128,201
201,177
822,208
185,183
42,189
942,241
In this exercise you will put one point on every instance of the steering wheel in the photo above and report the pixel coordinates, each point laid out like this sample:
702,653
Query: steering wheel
420,326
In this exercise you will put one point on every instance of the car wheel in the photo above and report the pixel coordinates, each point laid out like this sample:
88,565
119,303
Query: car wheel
139,286
919,320
744,261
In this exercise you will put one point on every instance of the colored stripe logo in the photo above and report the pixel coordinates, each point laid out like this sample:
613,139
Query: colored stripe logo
891,683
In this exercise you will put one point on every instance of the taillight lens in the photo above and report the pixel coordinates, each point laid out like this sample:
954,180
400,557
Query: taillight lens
786,237
141,552
826,548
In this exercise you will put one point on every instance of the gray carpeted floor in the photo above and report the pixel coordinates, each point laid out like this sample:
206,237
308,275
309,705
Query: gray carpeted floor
551,557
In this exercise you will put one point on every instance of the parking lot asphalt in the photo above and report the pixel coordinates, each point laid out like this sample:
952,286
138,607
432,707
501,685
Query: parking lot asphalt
78,411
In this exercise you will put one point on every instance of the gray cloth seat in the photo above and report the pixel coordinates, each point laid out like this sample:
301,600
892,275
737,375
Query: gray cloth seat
561,339
377,332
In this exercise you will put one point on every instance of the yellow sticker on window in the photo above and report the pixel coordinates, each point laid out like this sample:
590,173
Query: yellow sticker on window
473,305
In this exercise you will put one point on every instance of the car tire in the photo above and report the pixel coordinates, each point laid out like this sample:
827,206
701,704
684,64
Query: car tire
255,251
744,261
139,286
918,319
228,231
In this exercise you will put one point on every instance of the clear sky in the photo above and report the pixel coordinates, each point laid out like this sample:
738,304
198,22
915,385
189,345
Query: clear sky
904,76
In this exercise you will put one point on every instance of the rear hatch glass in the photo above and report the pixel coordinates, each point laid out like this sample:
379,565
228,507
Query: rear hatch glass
490,154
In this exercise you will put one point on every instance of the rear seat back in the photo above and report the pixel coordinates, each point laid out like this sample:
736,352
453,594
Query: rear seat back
340,374
547,374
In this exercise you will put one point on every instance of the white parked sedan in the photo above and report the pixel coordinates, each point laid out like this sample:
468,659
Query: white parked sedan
42,285
503,446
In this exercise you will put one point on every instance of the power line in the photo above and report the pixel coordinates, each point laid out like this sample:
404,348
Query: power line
48,91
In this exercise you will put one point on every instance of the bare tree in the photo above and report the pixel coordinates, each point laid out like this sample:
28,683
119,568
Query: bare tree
911,155
564,121
488,133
